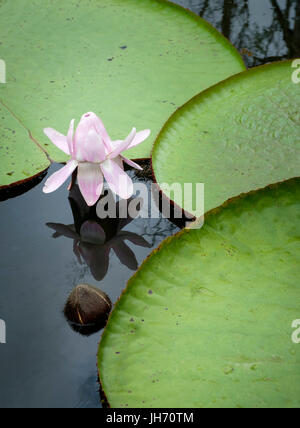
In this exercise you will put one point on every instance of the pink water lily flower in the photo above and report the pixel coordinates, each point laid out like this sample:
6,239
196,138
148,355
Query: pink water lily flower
96,156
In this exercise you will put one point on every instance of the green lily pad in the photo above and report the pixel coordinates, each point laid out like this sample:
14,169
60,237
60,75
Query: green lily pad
238,136
207,320
132,62
21,158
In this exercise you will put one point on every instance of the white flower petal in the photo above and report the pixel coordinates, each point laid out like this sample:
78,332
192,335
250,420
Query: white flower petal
119,182
90,181
58,178
58,139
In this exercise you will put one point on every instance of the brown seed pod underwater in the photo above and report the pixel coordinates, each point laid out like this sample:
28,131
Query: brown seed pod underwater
87,309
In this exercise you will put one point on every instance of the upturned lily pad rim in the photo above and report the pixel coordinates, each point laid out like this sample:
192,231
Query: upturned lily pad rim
19,188
165,243
190,103
26,181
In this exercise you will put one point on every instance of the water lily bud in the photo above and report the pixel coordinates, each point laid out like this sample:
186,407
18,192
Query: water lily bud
89,307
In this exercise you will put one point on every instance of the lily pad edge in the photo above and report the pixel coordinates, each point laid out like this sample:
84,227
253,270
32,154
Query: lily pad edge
163,244
187,105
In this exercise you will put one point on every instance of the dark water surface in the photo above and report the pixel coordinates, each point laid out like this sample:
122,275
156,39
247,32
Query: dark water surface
266,30
45,363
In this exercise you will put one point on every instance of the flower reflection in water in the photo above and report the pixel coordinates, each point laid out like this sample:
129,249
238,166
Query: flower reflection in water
94,238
